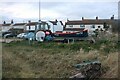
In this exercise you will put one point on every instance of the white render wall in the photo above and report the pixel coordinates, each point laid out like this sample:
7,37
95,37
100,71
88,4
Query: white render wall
31,27
89,27
74,26
19,27
86,26
6,28
55,28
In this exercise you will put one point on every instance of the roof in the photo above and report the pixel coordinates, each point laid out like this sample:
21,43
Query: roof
31,23
89,21
19,24
61,22
8,24
43,22
54,22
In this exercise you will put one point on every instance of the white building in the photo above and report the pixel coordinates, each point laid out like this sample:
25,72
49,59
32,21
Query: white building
19,25
55,26
6,27
89,24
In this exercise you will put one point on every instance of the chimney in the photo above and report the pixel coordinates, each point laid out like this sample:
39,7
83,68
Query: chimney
96,17
29,24
12,21
67,20
39,20
82,18
112,18
29,21
56,20
4,22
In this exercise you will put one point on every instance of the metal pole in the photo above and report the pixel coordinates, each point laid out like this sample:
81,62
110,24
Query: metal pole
53,28
39,9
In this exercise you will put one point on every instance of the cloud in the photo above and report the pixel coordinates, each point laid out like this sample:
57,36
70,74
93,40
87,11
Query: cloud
59,0
48,13
57,10
85,9
19,10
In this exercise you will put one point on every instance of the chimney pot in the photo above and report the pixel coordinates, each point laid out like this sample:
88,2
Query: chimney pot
82,18
29,21
67,20
97,18
4,22
112,18
12,21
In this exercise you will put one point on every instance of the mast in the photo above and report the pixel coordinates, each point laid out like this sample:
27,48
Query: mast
39,9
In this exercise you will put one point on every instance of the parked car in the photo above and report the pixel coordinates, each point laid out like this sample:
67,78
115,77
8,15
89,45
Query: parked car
21,35
30,35
10,35
6,32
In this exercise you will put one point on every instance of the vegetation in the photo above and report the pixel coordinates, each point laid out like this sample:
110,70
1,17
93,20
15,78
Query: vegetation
56,60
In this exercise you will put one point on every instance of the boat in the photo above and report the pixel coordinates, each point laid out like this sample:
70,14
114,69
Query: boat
79,34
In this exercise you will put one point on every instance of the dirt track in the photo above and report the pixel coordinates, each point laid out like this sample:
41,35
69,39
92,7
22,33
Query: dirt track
9,40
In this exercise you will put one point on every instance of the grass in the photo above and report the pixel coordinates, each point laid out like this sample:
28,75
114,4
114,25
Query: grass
56,60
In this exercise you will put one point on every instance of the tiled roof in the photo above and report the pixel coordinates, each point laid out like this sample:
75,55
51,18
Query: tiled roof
89,21
54,22
8,24
31,23
19,24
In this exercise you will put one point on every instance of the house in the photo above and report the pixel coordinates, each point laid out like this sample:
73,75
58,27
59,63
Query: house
31,26
55,25
19,25
6,27
35,26
89,24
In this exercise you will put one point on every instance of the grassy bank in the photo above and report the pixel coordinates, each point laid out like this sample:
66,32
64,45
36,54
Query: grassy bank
56,60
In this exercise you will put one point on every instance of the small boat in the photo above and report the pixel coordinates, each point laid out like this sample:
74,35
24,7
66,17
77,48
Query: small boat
80,34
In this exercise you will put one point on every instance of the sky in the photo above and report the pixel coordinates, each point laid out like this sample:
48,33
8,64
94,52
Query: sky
22,11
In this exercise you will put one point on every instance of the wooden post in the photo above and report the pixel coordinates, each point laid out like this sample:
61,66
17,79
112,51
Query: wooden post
68,41
73,40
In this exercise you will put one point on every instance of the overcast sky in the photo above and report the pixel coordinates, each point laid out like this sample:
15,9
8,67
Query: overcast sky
22,10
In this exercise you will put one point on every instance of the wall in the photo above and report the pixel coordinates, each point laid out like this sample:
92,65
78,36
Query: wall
20,27
6,28
31,27
74,26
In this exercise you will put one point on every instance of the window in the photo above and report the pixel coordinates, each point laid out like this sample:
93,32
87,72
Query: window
82,26
70,25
